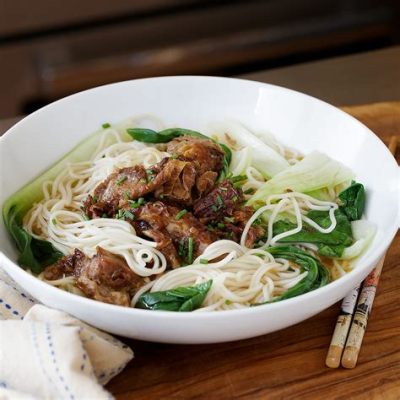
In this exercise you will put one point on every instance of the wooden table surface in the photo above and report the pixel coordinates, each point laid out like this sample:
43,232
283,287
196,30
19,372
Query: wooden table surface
288,364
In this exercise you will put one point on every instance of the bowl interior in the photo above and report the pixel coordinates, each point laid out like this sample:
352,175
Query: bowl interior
296,120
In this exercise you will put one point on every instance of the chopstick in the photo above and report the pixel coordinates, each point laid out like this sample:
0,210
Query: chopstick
352,321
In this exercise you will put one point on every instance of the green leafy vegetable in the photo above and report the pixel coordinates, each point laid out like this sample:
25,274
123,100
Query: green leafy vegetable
263,157
353,201
329,244
316,277
179,299
165,136
225,162
363,233
315,171
36,254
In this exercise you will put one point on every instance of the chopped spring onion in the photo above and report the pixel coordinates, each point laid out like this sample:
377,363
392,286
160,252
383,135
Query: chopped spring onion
121,179
128,215
180,214
238,178
203,261
106,125
190,250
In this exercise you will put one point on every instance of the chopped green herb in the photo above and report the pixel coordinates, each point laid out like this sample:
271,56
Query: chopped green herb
203,261
235,198
106,125
133,204
249,191
128,215
85,217
219,200
126,195
190,250
238,178
181,248
94,199
120,214
54,221
220,225
121,179
180,214
229,219
214,207
136,203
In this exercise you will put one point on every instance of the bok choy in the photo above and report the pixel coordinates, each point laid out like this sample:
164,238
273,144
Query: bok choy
34,253
264,158
178,299
317,275
315,171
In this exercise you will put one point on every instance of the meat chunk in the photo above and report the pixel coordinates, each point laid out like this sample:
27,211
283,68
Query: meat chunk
174,230
176,181
65,266
105,277
205,154
118,188
222,209
219,203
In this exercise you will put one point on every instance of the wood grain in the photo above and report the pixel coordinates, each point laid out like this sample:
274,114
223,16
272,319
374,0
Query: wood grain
288,364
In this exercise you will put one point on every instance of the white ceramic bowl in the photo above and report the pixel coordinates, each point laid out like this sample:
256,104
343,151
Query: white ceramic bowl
300,121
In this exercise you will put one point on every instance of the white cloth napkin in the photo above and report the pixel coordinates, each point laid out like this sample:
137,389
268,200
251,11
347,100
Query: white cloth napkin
48,354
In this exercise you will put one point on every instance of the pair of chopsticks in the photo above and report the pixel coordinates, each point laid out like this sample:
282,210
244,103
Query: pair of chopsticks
352,321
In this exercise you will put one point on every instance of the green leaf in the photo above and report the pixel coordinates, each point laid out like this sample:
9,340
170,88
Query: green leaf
179,299
165,136
34,253
225,162
329,244
317,275
314,172
353,201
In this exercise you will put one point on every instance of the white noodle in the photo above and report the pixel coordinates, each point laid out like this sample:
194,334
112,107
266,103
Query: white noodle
241,276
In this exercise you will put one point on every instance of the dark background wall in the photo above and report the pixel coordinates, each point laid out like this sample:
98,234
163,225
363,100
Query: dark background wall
49,49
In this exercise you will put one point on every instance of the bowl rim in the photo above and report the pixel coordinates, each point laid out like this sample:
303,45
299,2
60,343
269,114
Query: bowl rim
381,247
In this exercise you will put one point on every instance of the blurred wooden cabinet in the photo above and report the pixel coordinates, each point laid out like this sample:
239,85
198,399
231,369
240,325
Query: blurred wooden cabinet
49,49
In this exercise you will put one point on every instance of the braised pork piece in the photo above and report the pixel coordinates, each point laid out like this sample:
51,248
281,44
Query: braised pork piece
105,277
177,203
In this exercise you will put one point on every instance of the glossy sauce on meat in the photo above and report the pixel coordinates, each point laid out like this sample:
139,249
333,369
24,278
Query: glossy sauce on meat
105,277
